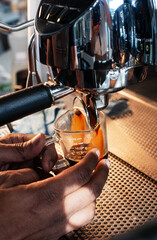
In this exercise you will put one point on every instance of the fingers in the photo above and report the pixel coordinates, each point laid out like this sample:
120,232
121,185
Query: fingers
58,205
16,138
18,152
89,192
58,228
75,188
21,147
81,218
49,158
71,179
19,177
79,199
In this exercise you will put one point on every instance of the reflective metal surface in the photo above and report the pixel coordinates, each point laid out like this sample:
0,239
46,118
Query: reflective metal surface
8,28
33,76
97,46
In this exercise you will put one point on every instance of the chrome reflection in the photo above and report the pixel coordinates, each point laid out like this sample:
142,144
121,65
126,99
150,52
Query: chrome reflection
97,46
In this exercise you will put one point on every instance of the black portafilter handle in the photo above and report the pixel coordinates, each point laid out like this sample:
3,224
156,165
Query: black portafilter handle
22,103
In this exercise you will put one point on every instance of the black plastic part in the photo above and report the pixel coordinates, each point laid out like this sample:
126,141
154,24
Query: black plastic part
103,65
24,102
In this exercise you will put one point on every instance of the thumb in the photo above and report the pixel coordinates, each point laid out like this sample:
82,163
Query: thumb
22,151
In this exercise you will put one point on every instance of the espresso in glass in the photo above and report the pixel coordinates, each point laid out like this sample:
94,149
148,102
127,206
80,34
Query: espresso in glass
77,138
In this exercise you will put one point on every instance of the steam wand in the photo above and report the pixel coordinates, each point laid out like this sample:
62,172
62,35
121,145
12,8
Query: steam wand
8,28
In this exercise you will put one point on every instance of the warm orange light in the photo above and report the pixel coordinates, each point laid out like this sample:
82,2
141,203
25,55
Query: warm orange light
78,124
98,142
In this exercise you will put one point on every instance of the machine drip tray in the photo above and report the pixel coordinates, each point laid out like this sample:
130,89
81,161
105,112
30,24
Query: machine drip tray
132,134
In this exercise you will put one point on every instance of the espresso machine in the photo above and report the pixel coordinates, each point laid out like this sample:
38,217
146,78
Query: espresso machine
91,47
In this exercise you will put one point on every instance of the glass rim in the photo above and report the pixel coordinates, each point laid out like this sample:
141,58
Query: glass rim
80,131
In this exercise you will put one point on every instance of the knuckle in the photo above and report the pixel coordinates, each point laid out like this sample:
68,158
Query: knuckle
4,179
16,178
20,149
29,145
11,179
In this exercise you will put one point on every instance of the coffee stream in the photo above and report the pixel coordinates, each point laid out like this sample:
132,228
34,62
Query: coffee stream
80,148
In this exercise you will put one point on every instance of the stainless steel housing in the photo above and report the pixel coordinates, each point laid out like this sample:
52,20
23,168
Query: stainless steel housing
98,46
95,47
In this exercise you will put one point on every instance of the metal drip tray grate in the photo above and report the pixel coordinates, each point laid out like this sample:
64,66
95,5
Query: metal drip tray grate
140,123
128,201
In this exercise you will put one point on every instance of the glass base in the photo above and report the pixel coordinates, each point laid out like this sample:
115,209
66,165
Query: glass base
60,165
72,163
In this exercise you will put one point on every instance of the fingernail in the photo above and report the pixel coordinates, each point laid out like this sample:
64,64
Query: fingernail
96,151
107,163
36,139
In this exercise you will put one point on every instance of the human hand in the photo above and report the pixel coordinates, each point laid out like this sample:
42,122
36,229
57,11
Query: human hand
19,150
50,208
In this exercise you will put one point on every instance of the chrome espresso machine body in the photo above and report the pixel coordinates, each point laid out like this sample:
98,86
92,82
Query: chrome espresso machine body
91,39
94,47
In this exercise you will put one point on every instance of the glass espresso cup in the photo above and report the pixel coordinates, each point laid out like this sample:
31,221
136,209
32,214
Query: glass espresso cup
77,138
